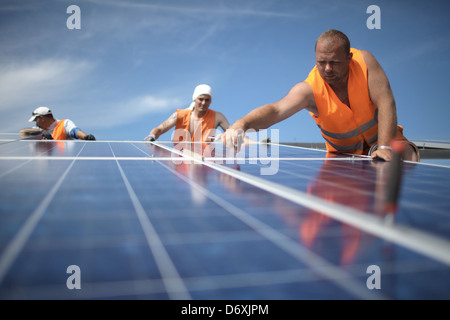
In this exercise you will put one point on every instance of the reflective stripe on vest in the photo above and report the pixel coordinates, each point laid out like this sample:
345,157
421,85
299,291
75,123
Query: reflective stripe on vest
365,128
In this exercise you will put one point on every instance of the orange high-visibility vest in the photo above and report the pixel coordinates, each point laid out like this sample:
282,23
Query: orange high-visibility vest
201,131
345,129
59,133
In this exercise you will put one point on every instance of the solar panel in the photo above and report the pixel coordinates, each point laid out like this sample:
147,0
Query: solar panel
139,220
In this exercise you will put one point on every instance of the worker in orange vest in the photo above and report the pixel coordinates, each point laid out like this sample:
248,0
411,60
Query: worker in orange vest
348,95
52,129
195,123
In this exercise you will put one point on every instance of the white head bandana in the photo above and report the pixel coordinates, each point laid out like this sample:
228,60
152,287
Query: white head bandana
199,90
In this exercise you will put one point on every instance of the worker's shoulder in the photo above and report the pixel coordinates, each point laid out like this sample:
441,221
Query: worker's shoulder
302,87
367,55
370,60
218,114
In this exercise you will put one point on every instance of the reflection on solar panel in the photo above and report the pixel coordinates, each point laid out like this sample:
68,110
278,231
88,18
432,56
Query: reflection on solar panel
135,220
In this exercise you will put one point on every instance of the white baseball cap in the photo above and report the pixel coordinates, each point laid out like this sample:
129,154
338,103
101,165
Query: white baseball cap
41,111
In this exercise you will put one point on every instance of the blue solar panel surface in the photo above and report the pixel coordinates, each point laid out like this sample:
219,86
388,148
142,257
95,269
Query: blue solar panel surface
155,221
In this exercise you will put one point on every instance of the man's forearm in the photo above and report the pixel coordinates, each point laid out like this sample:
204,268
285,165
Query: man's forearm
387,125
157,132
30,131
257,119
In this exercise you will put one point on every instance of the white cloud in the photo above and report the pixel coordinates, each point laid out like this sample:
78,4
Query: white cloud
186,8
185,21
25,84
113,114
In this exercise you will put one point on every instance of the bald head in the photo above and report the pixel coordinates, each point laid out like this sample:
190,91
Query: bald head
332,37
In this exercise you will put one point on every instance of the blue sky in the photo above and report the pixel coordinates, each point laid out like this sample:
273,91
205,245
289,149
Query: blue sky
133,63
